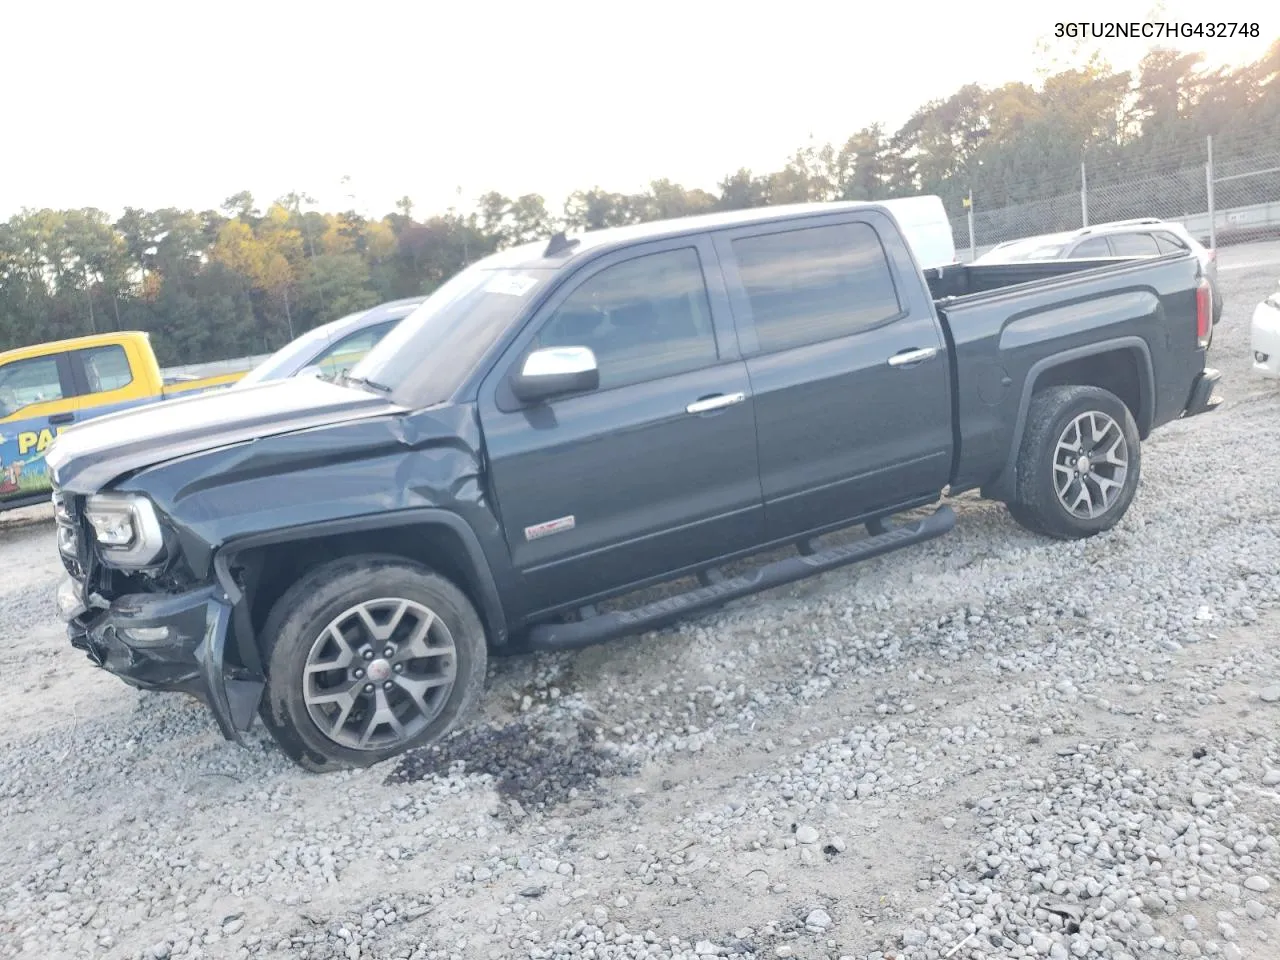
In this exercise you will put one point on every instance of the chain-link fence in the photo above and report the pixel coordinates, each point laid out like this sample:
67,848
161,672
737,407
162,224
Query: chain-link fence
1222,191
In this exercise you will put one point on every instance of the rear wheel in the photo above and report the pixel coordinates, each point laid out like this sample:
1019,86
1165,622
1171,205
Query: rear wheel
368,657
1078,464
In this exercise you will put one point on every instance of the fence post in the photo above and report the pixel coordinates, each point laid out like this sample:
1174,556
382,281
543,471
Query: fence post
1084,196
969,211
1208,186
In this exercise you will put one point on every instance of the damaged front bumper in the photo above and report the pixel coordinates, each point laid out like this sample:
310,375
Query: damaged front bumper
162,641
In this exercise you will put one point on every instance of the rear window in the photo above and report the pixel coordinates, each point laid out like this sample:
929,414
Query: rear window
1168,243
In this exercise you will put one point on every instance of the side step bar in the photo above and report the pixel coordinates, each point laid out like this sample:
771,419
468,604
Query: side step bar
604,626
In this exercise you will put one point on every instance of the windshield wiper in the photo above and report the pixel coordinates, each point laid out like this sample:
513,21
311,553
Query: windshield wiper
380,387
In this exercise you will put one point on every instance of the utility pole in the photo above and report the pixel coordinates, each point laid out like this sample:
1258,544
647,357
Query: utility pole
1084,196
88,292
968,205
1208,186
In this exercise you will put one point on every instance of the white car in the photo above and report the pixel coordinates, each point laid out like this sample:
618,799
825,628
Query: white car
1264,337
333,347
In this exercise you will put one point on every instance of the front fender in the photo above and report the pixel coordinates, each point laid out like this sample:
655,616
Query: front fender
492,611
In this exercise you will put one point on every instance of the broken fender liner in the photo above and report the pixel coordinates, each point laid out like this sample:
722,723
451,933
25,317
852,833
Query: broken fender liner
568,636
234,702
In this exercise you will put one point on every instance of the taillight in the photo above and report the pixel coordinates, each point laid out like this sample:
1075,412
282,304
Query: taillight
1204,313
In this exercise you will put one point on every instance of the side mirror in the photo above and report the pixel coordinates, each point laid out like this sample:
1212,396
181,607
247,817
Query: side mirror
553,371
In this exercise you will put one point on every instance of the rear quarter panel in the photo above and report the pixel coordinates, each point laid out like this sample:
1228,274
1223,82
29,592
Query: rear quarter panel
1008,340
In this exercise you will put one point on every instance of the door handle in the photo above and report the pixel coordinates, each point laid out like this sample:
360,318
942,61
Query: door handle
913,356
717,402
59,418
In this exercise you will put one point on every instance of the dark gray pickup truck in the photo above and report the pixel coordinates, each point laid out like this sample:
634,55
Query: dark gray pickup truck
564,424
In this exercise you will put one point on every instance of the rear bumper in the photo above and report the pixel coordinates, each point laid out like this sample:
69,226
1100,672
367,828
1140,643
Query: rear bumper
1202,399
174,642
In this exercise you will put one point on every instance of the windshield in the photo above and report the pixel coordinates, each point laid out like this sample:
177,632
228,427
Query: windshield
293,355
433,349
1026,250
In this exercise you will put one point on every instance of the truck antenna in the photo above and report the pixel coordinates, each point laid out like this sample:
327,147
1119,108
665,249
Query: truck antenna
559,243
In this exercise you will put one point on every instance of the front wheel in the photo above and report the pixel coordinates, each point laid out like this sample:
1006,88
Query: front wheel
367,657
1078,464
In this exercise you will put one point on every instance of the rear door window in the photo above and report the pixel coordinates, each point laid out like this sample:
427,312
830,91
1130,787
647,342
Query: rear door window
1134,245
106,368
1091,249
815,283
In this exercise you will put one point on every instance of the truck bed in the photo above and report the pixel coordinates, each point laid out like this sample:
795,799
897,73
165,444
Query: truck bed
968,279
1003,322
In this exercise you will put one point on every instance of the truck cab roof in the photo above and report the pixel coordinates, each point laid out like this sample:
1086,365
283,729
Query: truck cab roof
922,219
73,343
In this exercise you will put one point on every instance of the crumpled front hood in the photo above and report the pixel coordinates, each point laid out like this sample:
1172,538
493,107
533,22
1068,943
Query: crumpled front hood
89,456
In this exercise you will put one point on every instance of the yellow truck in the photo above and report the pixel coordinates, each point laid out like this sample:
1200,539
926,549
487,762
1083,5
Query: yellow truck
47,387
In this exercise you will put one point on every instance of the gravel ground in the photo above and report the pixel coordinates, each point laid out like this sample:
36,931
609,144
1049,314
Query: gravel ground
988,746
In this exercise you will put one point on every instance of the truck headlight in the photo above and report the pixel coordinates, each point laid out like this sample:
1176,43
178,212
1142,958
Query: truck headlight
126,527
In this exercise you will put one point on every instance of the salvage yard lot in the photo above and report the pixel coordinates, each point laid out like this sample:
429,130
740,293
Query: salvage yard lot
991,745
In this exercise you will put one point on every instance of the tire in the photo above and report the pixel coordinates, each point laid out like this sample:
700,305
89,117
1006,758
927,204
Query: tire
397,592
1054,415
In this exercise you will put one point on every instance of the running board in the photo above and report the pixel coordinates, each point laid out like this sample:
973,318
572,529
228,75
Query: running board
605,626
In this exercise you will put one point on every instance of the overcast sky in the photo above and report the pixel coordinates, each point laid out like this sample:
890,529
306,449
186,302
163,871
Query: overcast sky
158,104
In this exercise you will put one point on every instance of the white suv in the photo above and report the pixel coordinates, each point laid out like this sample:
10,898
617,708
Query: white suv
1145,237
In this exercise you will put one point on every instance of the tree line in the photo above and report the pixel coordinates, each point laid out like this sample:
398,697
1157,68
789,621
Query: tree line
213,284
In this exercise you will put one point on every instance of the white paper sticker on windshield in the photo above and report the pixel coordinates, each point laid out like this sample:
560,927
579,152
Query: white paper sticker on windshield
512,286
